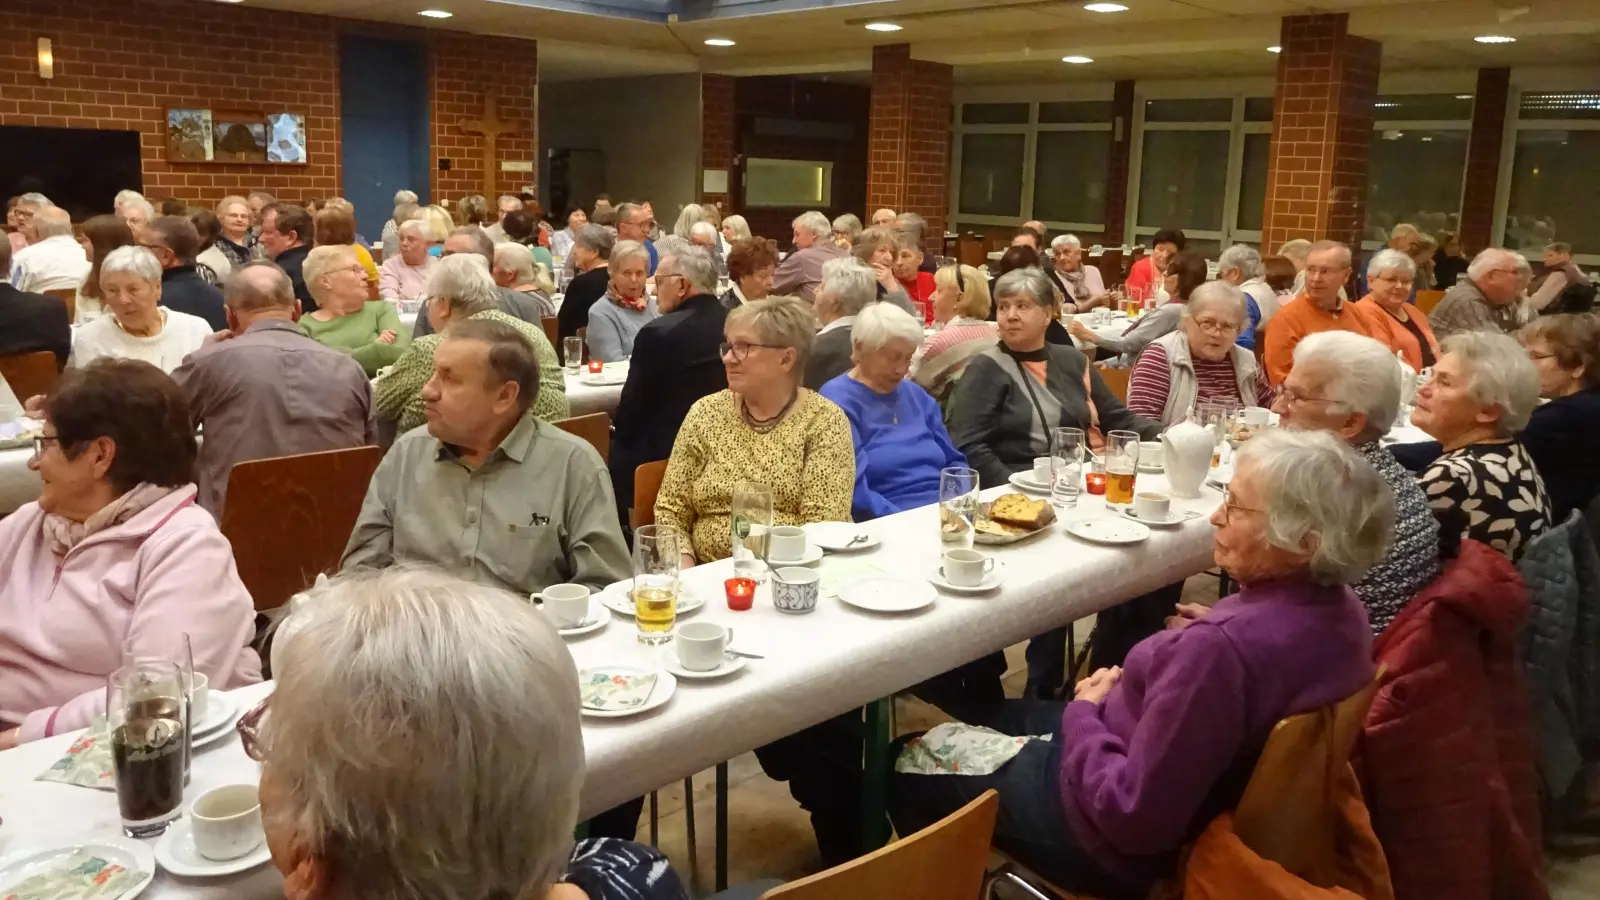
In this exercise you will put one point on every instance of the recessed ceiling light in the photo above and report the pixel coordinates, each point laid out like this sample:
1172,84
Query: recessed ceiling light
1494,39
436,14
1076,60
718,42
882,26
1274,49
1105,7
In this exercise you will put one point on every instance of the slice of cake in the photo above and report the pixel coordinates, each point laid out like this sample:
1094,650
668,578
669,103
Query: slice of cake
1019,511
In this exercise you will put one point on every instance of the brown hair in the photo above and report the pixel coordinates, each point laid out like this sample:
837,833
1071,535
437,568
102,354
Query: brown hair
868,242
287,217
1279,273
105,233
1191,271
334,226
207,225
518,225
746,258
139,407
180,236
511,355
1574,340
172,206
1017,256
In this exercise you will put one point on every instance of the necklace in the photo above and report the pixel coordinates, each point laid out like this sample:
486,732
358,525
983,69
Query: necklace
893,411
765,426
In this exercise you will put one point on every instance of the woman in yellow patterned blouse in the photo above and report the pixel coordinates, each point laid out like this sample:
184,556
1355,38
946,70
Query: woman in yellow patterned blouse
764,428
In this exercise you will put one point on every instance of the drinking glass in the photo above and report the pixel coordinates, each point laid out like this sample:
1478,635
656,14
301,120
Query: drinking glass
656,550
1122,465
752,518
1217,415
958,505
573,348
174,648
1066,466
147,718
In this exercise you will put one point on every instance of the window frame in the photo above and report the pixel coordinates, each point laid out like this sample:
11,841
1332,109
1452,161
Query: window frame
773,162
1508,147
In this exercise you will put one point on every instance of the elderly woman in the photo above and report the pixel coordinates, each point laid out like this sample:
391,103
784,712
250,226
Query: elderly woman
735,229
403,208
907,268
1144,276
1186,272
846,229
403,277
625,308
472,209
362,783
211,263
460,289
1199,362
1013,394
336,227
960,312
1389,314
901,442
561,241
101,235
138,213
439,223
1147,754
845,291
1082,285
1486,486
236,240
591,258
138,327
876,248
1240,266
114,558
750,266
1347,384
1563,433
369,330
514,269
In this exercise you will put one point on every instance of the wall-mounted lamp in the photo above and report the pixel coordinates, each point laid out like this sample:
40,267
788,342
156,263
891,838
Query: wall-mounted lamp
47,60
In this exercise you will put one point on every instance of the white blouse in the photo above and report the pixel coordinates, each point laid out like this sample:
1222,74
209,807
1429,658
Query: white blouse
180,335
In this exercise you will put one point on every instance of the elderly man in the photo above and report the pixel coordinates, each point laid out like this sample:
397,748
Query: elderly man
486,490
137,213
1560,274
1038,228
1348,384
848,285
1240,266
1321,307
1403,237
801,271
286,240
30,323
917,227
53,259
884,218
267,390
634,223
704,235
175,241
677,359
472,239
1486,300
507,203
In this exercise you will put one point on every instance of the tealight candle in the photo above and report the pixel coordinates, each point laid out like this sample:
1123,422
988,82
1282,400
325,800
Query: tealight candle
596,365
1095,482
741,592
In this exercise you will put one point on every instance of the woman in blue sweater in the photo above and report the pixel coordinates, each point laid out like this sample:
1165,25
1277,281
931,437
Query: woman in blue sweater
901,442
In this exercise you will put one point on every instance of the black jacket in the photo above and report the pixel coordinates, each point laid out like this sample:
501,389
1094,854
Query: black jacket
830,357
291,261
582,292
184,290
33,322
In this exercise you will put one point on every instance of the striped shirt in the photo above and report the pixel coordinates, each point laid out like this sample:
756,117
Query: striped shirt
1151,381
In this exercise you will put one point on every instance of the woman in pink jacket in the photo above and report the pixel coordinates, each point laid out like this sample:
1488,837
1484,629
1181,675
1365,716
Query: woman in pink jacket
114,557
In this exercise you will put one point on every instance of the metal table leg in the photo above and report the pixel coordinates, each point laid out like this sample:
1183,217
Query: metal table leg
875,759
721,826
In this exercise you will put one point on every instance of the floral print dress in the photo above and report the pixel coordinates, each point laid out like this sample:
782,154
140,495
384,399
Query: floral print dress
1492,492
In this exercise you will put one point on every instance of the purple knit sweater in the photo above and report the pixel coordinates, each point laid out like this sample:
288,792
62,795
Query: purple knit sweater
1172,743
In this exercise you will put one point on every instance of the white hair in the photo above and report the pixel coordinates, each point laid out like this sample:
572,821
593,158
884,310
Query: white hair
696,267
425,730
463,281
419,227
1348,528
850,282
848,224
691,215
501,201
814,222
133,260
1217,295
880,323
1492,258
1358,374
1297,249
1031,282
33,198
1499,373
515,258
741,228
52,221
1244,259
319,262
143,206
126,196
1404,229
704,230
1389,259
403,197
625,250
1065,240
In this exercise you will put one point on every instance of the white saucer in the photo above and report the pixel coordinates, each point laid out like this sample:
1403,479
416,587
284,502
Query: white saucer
220,709
1109,530
813,555
594,620
1151,469
991,580
887,593
1025,481
130,854
603,379
176,853
835,537
1175,517
663,690
730,665
615,598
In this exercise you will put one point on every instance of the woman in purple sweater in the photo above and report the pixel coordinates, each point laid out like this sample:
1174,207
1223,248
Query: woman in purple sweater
1135,767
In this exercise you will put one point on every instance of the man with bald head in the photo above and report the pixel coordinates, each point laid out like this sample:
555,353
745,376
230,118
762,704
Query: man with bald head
262,389
1486,300
883,218
53,259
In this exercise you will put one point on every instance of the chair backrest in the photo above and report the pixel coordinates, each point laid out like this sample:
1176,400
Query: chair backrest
583,335
1427,300
1117,381
290,517
594,428
69,296
1110,265
944,861
552,330
646,485
29,374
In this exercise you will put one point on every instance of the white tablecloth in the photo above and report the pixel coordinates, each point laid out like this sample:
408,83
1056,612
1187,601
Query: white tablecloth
1109,331
584,398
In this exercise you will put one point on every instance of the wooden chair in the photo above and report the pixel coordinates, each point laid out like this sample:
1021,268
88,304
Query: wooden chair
1427,300
552,330
1117,381
290,517
69,296
583,335
29,373
646,485
594,428
944,861
1110,266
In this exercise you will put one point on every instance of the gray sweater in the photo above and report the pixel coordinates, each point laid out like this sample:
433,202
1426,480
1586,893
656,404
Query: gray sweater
613,326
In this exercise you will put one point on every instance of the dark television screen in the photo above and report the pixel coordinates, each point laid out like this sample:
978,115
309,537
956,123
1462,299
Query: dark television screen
79,169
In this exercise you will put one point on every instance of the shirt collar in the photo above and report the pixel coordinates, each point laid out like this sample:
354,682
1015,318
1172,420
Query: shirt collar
843,322
514,447
739,294
272,325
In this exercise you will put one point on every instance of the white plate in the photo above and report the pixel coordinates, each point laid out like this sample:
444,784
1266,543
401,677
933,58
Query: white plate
1119,530
615,598
220,709
887,593
730,665
1025,481
991,580
594,620
835,536
129,854
603,379
663,690
812,556
1151,468
176,852
1175,517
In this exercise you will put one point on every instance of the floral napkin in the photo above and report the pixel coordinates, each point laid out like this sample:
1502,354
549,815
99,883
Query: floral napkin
608,691
80,875
958,749
87,763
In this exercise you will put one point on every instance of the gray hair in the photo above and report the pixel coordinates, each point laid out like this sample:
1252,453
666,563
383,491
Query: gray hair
1387,260
426,732
910,221
1348,528
1244,259
702,230
52,221
127,195
597,238
463,281
221,207
418,227
500,202
1218,295
1358,374
670,244
517,259
741,228
34,198
482,244
403,197
626,211
782,322
143,206
625,250
1492,258
1065,240
814,222
692,215
696,267
1499,373
849,224
850,283
1030,282
880,323
1297,249
133,260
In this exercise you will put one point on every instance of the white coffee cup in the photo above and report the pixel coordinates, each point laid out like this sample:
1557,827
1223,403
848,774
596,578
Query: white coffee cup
1256,416
1150,453
966,568
199,696
1041,469
567,605
1151,505
786,543
227,822
700,645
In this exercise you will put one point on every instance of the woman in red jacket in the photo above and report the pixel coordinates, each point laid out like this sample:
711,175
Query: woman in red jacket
907,270
1142,278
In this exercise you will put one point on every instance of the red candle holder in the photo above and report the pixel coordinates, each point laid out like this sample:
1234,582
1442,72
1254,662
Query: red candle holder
1095,482
741,593
596,365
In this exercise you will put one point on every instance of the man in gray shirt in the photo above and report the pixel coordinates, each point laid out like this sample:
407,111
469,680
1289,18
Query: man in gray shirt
472,239
1485,301
263,389
801,271
486,491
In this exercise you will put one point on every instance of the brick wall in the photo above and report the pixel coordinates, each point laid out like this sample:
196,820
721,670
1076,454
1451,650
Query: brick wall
1321,126
908,154
465,67
716,132
1121,150
1483,158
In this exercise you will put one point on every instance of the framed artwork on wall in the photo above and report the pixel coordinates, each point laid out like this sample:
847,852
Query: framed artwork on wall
189,137
236,136
286,138
240,136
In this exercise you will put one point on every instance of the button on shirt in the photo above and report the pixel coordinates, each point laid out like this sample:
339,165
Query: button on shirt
53,264
538,511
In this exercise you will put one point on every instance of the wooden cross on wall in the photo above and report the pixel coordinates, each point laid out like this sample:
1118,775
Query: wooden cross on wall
491,128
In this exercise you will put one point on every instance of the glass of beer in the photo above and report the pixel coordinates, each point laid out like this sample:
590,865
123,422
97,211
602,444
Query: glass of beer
1122,465
656,550
147,718
751,519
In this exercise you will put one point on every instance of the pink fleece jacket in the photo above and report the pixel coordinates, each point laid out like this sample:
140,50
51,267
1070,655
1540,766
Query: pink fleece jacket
63,622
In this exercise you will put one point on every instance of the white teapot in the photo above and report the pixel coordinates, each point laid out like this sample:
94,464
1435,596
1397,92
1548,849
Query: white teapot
1186,456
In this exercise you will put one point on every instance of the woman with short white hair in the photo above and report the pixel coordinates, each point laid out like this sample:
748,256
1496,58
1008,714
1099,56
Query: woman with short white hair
138,327
1389,313
615,319
1485,486
515,269
138,213
368,330
403,277
236,241
1240,266
1200,362
410,705
1081,284
846,289
404,207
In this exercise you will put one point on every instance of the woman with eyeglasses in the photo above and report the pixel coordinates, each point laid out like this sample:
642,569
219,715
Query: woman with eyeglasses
1200,361
625,308
369,330
114,557
1390,315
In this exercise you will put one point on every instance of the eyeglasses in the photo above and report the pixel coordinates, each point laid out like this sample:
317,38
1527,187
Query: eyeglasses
1325,270
1291,398
1229,507
249,728
357,267
741,350
1212,326
42,441
1538,356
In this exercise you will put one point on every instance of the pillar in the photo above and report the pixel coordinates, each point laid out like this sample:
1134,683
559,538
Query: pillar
1117,167
908,152
1321,132
1483,158
716,137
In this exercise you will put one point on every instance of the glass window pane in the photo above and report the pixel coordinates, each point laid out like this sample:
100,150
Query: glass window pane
1553,185
1258,109
1069,176
1414,176
994,113
1075,111
1430,107
787,182
1183,179
991,174
1253,182
1211,109
1561,105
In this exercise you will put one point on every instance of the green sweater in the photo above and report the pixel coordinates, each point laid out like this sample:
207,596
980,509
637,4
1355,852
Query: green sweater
357,334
